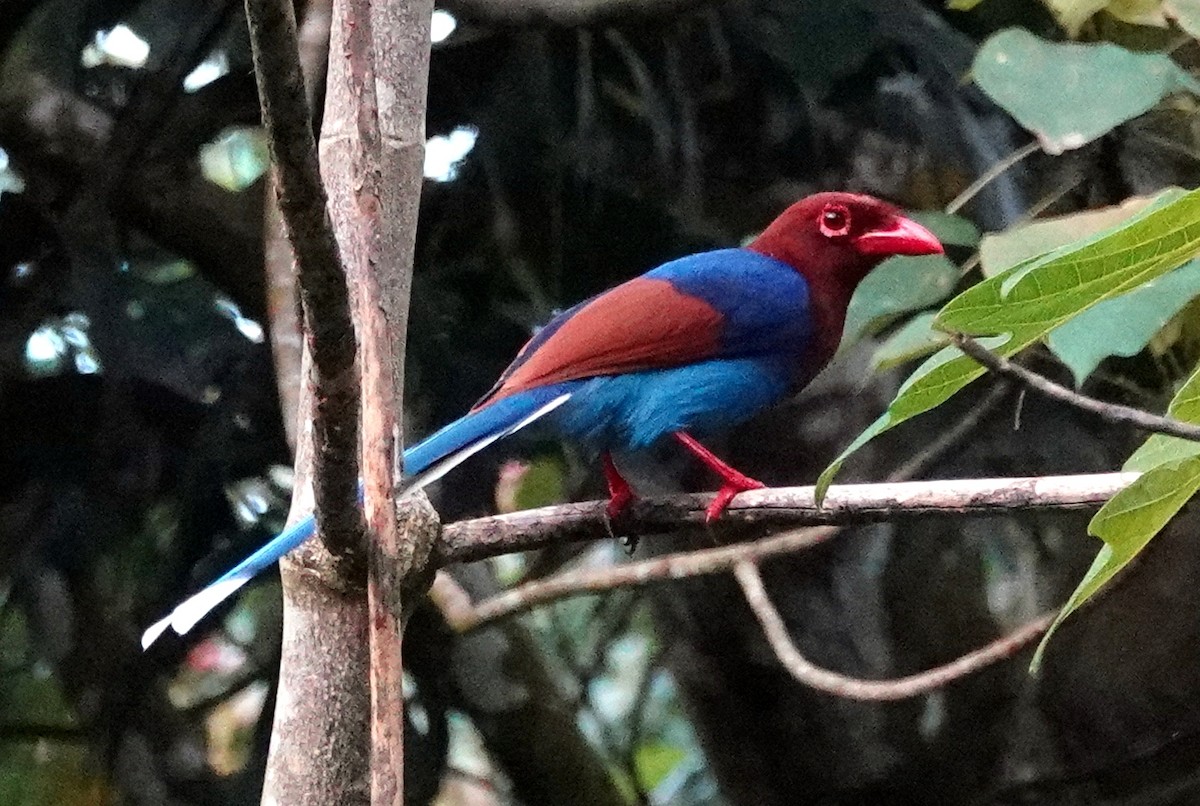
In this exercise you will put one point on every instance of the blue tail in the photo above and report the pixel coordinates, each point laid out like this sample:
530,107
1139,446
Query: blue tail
424,463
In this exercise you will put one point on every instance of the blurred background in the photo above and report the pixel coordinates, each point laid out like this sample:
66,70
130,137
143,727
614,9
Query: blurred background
572,144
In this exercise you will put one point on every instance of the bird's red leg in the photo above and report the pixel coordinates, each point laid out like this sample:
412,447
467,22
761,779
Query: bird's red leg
734,482
619,493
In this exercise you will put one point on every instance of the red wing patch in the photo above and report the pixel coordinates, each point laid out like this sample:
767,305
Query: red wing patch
645,323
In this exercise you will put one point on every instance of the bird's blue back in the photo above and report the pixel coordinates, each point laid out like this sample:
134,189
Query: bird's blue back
766,330
765,303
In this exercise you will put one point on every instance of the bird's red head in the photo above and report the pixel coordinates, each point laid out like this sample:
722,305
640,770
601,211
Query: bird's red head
835,239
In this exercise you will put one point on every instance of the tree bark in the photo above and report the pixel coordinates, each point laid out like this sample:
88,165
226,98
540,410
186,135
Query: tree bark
322,730
372,149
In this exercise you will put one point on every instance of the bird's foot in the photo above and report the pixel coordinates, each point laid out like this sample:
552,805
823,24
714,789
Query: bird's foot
620,494
734,481
728,491
618,504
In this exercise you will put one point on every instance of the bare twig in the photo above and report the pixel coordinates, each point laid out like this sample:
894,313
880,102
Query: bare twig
948,439
452,601
809,674
1112,412
990,175
662,569
844,504
476,539
287,335
323,295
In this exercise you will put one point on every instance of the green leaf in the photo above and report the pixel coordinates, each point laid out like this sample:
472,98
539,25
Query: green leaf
654,761
898,286
915,339
1068,94
1001,251
1137,513
1186,14
1125,325
1126,524
1161,449
1025,303
962,5
1045,293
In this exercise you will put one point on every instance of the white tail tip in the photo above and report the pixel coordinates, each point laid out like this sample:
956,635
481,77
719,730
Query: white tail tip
189,612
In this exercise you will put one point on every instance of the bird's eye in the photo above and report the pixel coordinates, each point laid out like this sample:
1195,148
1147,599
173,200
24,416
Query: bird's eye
835,221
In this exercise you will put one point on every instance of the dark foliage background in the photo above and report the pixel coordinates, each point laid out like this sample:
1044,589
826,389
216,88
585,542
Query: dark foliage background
142,446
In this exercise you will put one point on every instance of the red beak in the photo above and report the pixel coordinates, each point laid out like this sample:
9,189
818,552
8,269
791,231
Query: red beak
903,237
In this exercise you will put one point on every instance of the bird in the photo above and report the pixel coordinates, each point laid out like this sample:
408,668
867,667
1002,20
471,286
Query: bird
697,345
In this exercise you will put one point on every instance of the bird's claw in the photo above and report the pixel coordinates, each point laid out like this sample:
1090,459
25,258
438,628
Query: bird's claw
618,504
727,493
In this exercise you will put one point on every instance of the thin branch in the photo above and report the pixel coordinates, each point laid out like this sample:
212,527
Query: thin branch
470,540
460,613
990,175
323,295
287,335
665,568
948,439
856,503
809,674
1111,412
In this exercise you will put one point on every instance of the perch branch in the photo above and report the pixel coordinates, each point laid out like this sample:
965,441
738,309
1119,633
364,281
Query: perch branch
857,503
813,676
1111,412
466,541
